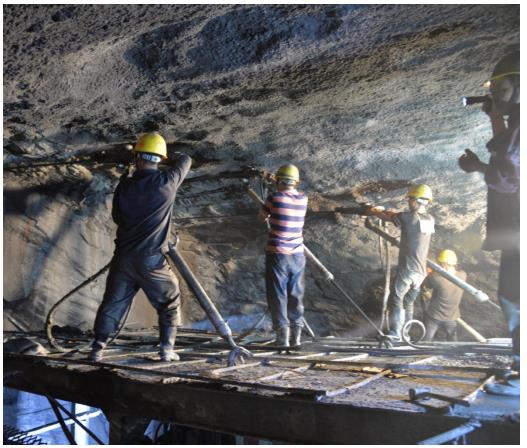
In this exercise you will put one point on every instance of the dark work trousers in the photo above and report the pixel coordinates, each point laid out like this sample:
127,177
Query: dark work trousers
284,278
509,297
432,325
127,275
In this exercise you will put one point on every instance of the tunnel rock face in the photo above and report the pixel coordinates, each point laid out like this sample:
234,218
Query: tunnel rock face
365,100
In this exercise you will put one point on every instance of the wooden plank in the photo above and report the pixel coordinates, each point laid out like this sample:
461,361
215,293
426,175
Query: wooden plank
423,360
312,355
283,374
352,358
160,365
356,385
472,395
221,370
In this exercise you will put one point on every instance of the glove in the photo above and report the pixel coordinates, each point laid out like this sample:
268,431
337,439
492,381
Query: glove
469,162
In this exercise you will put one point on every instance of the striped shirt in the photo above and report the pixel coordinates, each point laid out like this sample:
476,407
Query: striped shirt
287,210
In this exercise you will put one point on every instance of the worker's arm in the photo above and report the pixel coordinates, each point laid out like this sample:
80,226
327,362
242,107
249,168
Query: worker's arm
115,203
265,211
385,215
179,167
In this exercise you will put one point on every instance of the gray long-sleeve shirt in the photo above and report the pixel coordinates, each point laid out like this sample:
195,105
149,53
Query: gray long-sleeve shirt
142,208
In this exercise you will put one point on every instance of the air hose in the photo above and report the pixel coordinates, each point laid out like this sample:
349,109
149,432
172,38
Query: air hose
49,318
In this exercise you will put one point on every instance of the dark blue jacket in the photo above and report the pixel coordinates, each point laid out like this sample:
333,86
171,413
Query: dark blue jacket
142,208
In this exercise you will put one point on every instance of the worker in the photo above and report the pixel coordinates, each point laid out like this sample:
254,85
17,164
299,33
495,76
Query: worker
417,227
142,209
285,260
502,176
443,309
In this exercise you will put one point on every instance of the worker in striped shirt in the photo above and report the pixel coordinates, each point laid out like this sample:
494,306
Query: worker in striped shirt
285,261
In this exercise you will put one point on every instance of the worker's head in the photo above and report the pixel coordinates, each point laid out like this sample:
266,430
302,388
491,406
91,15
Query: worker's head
447,258
504,83
419,196
287,177
149,150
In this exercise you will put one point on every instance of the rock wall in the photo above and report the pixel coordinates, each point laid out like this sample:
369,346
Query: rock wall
364,99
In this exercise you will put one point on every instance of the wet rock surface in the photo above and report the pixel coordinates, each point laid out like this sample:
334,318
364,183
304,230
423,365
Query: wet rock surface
364,99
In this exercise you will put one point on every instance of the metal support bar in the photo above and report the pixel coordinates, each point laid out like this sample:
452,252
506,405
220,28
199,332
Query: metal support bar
54,425
455,433
60,419
78,422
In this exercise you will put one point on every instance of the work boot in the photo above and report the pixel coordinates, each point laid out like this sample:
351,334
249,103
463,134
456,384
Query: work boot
97,348
395,320
282,336
295,336
167,339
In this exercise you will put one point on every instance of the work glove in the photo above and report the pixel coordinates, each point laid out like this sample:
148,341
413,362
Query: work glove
469,162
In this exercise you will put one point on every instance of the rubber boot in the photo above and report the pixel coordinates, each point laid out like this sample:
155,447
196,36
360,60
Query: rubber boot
97,348
408,313
282,336
295,336
167,339
396,323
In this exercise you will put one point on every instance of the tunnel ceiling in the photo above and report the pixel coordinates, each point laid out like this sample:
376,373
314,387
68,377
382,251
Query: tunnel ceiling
364,99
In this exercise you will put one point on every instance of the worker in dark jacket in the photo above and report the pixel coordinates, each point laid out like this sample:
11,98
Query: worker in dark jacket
443,309
285,261
502,176
417,227
142,210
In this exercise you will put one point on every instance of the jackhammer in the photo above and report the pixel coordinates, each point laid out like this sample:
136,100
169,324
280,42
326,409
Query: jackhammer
208,306
383,339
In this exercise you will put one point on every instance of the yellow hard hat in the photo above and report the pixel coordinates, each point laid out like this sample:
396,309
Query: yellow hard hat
447,256
152,143
421,191
288,173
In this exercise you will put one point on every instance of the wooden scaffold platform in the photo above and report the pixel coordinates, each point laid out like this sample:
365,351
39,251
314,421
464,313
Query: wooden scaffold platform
333,391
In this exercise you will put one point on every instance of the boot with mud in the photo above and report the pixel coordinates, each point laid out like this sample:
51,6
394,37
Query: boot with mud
296,336
97,348
282,337
167,339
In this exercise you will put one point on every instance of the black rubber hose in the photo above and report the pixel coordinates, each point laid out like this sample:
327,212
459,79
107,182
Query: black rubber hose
49,318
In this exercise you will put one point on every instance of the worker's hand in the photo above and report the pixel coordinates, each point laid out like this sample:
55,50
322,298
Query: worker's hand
469,162
377,208
370,209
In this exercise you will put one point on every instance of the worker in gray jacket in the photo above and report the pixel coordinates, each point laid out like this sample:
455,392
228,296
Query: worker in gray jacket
417,227
142,209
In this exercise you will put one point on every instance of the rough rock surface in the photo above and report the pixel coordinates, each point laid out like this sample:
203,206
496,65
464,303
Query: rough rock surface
364,99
